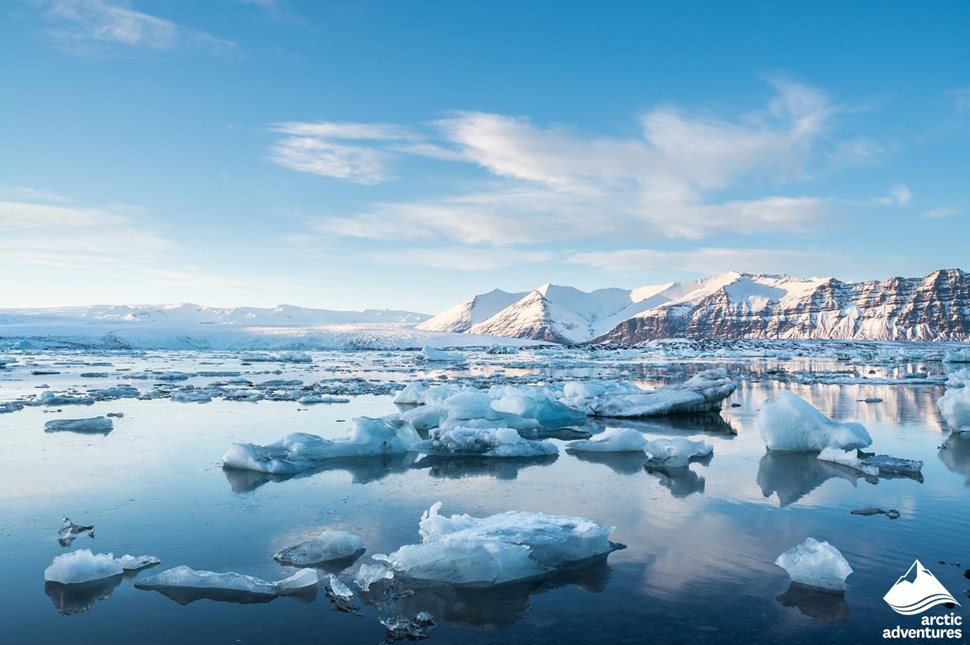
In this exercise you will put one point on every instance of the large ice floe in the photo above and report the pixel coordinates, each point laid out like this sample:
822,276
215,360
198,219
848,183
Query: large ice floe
954,405
484,442
790,423
299,452
464,550
328,546
816,564
704,392
185,585
83,566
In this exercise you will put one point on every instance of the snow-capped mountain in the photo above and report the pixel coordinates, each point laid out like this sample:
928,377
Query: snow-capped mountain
188,315
461,318
733,305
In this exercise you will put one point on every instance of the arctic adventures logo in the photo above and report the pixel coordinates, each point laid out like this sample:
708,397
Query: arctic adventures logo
916,591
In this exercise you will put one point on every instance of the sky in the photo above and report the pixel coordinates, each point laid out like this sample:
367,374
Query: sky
408,155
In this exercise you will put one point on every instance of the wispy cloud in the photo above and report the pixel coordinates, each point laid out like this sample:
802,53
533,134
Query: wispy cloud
464,259
705,260
899,195
940,213
97,26
546,183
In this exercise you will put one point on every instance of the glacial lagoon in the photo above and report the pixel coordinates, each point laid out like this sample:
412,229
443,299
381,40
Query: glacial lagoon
700,542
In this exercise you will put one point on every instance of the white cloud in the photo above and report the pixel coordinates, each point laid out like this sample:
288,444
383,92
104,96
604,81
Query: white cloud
939,213
462,259
899,195
93,26
558,183
706,261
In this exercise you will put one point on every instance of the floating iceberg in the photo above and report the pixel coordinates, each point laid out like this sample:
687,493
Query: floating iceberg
954,405
329,545
95,425
816,564
70,531
433,355
790,423
484,442
676,452
298,452
704,392
534,403
611,440
84,566
185,585
500,548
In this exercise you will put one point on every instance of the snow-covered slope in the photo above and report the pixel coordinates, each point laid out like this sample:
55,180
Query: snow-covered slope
738,305
461,317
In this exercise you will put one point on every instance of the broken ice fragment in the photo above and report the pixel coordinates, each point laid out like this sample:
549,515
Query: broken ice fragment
340,595
69,531
704,392
329,545
403,628
84,566
185,585
790,423
816,564
484,442
611,440
676,452
95,425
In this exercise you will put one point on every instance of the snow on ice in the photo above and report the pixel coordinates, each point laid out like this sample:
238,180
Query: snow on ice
84,566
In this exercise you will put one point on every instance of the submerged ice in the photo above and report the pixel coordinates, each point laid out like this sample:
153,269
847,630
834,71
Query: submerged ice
327,546
463,550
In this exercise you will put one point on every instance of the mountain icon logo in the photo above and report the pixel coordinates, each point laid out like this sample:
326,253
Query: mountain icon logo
916,591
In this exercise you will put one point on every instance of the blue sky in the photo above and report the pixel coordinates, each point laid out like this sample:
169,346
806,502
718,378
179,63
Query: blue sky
410,154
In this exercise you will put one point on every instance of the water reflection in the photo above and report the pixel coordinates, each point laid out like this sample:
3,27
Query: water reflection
186,595
363,470
622,463
792,475
499,606
828,607
681,482
447,467
955,454
77,598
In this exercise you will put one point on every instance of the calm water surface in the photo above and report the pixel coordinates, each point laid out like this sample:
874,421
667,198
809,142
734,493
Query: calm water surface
701,542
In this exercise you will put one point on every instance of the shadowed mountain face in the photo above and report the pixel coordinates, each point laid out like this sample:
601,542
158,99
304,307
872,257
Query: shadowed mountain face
727,306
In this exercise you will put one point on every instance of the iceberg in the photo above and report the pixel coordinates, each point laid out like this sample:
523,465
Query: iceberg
185,585
95,425
70,531
84,566
329,545
815,564
611,440
297,452
676,452
954,405
790,423
463,550
484,442
433,355
704,392
534,403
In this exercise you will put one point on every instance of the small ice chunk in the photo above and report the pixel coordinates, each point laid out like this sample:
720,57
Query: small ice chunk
874,465
368,574
183,577
10,406
790,423
676,452
191,395
313,399
296,357
94,425
954,405
123,391
533,403
485,442
49,398
816,564
401,628
172,376
847,458
329,545
433,355
500,548
298,452
341,595
70,531
611,440
84,566
867,511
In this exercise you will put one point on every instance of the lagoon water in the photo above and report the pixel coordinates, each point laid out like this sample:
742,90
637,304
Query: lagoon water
701,541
